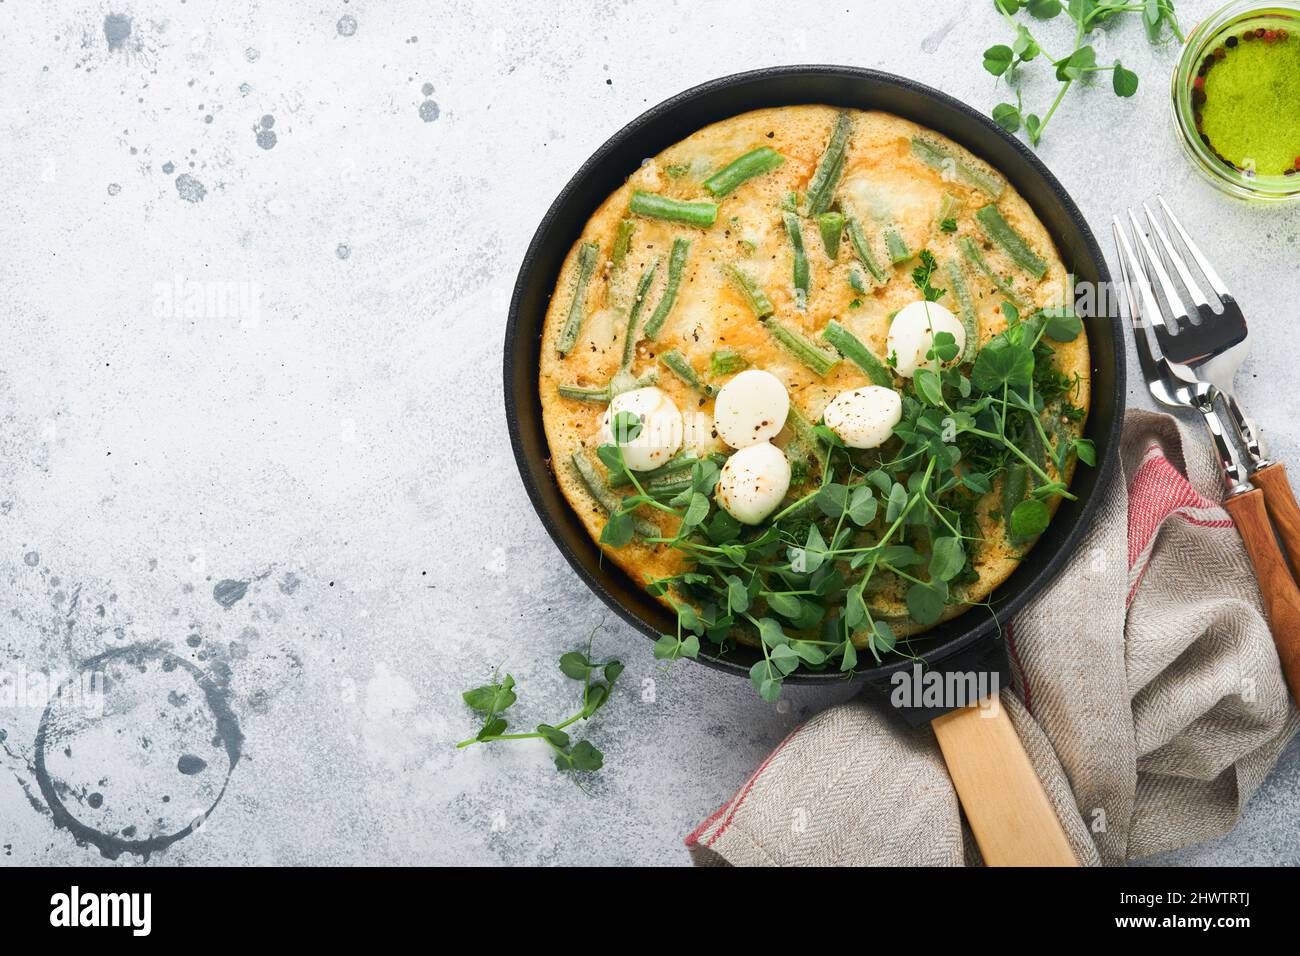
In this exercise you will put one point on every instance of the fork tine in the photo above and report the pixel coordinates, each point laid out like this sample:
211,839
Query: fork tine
1218,285
1175,257
1178,314
1150,263
1132,276
1145,304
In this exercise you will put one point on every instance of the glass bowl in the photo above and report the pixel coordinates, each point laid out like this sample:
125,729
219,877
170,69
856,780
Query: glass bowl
1216,37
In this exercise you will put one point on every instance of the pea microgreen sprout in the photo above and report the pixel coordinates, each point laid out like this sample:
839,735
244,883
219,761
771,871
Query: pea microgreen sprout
492,700
1003,60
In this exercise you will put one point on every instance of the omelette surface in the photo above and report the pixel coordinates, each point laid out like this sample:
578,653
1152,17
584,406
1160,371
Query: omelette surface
884,179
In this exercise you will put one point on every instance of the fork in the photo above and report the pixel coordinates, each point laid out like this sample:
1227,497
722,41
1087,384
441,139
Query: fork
1172,384
1209,346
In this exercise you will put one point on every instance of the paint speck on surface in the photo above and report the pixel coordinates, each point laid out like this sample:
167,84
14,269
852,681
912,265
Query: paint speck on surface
31,559
114,189
190,189
117,29
229,592
208,118
190,764
427,89
266,137
343,250
169,168
347,25
429,111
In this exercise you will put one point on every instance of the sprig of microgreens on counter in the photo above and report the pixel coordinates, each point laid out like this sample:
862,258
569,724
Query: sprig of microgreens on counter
492,700
1080,65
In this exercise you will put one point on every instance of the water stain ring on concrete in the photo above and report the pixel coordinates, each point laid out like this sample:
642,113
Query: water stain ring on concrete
134,678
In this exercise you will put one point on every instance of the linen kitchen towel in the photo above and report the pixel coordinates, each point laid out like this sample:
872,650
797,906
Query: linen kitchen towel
1145,688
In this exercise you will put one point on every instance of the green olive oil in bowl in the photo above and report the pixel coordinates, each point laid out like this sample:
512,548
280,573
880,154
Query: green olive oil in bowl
1237,99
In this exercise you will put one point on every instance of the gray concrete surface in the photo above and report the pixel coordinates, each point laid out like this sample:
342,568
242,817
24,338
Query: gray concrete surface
298,480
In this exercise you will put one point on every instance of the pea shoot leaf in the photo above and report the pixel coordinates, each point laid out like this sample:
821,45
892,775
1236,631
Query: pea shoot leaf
492,698
882,637
863,506
947,558
849,658
1000,365
785,658
575,664
1007,115
618,530
1076,64
924,603
928,386
1061,324
1124,82
998,59
1086,451
1029,519
766,680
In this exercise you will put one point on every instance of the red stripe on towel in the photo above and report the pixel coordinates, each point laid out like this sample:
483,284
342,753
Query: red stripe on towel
737,799
1157,491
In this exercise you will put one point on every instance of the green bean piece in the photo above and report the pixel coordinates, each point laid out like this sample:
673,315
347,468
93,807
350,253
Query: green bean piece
676,363
676,262
801,347
754,163
725,361
1037,453
831,225
634,315
664,488
608,501
863,250
826,178
949,207
936,156
851,347
969,317
604,394
805,439
755,297
1013,243
802,274
683,461
1015,485
622,242
587,257
896,245
971,251
654,206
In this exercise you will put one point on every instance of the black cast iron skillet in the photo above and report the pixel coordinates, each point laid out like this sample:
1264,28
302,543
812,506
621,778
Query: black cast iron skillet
969,643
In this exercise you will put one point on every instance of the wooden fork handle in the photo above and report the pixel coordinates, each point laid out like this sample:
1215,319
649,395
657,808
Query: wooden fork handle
1013,821
1282,507
1276,586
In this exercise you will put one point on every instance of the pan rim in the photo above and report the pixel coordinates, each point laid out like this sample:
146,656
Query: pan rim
987,624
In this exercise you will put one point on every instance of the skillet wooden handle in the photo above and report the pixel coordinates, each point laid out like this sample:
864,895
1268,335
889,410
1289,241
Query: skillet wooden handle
1008,810
1276,586
1282,507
